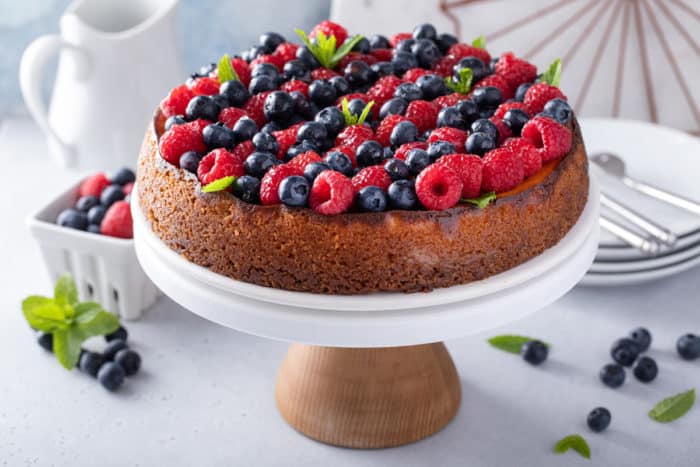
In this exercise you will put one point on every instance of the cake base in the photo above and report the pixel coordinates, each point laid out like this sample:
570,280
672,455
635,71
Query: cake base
368,397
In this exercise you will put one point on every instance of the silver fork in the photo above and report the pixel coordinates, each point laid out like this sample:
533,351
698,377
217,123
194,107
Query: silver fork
648,246
657,231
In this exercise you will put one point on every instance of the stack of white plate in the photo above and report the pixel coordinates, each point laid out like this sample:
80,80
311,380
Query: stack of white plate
664,157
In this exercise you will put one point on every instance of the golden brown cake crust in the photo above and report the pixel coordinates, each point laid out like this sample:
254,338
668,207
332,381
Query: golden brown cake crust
354,253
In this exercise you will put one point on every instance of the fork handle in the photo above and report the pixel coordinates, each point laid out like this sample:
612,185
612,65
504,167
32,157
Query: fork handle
647,225
647,246
663,195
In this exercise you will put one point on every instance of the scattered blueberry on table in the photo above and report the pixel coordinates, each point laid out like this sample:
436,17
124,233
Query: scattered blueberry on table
599,419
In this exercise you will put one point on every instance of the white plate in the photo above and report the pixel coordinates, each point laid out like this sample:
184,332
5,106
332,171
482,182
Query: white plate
637,277
385,301
625,254
660,261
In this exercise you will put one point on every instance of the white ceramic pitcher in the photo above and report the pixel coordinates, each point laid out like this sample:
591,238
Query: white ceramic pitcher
117,59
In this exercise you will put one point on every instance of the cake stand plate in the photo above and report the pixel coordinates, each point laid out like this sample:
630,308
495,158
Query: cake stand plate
377,376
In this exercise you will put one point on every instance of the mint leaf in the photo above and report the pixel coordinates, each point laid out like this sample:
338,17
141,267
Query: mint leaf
511,342
325,49
66,346
479,43
464,82
553,74
673,408
96,322
365,113
575,442
345,49
351,118
482,201
219,185
44,314
65,292
225,70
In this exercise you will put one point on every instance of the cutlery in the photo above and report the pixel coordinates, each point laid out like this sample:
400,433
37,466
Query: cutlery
647,246
615,166
660,233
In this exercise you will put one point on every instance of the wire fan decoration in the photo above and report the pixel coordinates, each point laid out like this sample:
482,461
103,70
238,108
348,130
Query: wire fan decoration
636,59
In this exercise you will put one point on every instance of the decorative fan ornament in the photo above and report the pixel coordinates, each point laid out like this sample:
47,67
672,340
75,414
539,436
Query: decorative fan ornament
635,59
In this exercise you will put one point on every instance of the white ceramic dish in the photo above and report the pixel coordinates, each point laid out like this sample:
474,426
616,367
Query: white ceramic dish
616,279
385,301
667,259
626,254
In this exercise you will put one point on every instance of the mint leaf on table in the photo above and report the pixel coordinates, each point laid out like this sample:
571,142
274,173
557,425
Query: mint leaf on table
225,71
219,185
66,346
575,442
511,342
482,201
552,75
673,408
44,314
65,291
479,42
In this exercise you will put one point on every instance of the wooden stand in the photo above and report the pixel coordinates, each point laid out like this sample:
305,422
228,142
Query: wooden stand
368,397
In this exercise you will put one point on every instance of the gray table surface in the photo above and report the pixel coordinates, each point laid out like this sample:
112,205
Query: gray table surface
205,394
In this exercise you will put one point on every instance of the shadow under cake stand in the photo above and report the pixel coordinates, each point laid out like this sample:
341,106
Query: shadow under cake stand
370,371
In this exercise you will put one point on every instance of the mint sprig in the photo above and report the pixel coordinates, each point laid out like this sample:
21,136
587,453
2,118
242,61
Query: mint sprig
325,49
219,184
511,343
353,119
479,43
464,82
225,70
575,442
673,408
482,201
552,75
69,321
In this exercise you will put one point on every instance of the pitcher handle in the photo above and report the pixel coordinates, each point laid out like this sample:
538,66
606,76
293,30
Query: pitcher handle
31,71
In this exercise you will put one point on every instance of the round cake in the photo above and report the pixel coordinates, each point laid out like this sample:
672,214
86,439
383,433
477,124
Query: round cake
350,165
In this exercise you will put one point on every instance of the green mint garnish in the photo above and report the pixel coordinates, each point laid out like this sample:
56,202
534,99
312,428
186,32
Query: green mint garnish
673,408
71,322
575,442
482,201
325,48
464,84
553,74
225,70
479,43
218,185
353,119
511,343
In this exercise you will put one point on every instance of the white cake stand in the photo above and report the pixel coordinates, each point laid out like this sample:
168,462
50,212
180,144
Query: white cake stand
370,371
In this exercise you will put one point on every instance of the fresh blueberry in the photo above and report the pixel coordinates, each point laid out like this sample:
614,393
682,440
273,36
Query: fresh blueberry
45,340
417,159
484,125
480,143
270,40
445,41
624,351
312,131
645,370
111,376
487,97
221,100
322,92
254,52
218,135
356,106
397,169
357,73
468,109
113,346
265,69
190,161
90,362
362,46
339,162
235,92
262,83
129,360
401,62
431,86
294,191
85,203
402,194
405,45
381,69
559,109
371,199
403,132
408,91
688,346
202,107
439,149
258,163
301,148
478,68
96,214
312,170
340,84
426,52
278,106
271,127
302,106
521,91
120,333
331,118
425,31
486,113
111,195
265,142
515,119
123,176
387,153
247,188
305,55
394,106
369,153
534,352
377,41
612,375
641,337
174,120
244,129
599,419
94,228
450,116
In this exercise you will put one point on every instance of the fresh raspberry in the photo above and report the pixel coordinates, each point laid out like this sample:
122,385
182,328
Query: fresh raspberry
414,73
117,221
322,73
254,108
398,37
329,28
285,139
382,91
347,150
449,134
331,193
270,183
353,95
449,100
304,159
219,163
295,85
176,101
468,168
445,66
230,115
551,139
204,86
243,150
506,106
374,175
287,50
242,70
94,184
497,82
503,170
128,188
423,114
515,70
504,131
275,60
178,140
459,51
383,55
403,150
532,161
197,125
539,94
383,132
438,187
352,56
354,135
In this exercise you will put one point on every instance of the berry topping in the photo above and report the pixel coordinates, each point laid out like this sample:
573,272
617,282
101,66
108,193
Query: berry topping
374,175
176,101
403,150
270,183
551,139
230,116
503,170
515,70
438,187
178,140
371,199
218,164
423,114
468,168
294,190
532,162
539,94
454,136
331,193
329,28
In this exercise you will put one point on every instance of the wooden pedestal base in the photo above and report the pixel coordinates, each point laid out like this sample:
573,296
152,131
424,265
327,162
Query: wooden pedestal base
368,397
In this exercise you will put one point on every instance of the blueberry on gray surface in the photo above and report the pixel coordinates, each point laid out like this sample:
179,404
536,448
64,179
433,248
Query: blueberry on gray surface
688,346
112,348
129,360
645,369
642,337
624,351
599,419
534,352
425,31
612,375
111,376
123,176
120,333
377,41
270,40
90,362
45,340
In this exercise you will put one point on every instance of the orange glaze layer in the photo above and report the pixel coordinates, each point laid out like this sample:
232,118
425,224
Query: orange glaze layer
536,179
